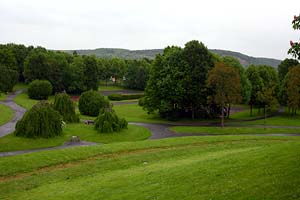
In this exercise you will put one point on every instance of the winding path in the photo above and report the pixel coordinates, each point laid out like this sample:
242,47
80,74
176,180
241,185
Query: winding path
159,131
18,113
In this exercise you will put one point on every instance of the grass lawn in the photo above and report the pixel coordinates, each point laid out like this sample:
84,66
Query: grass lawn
6,114
282,120
2,96
109,88
135,113
245,115
85,132
20,86
232,130
227,167
27,103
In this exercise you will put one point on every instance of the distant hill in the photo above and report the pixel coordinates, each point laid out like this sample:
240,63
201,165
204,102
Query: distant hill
150,54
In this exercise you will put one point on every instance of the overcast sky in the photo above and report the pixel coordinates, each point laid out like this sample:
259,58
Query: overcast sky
257,27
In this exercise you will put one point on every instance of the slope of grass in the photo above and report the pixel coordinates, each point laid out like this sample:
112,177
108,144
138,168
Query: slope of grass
232,130
110,88
2,96
180,168
85,132
6,114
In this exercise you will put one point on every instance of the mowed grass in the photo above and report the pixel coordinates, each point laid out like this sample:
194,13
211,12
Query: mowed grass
23,100
135,113
227,167
85,132
6,114
2,96
232,130
109,88
281,120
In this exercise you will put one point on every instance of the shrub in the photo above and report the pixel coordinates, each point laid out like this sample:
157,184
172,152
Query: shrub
91,102
115,97
65,106
120,97
39,89
108,122
41,121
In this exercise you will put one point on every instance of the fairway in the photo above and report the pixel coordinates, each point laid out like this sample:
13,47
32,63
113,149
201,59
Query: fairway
227,167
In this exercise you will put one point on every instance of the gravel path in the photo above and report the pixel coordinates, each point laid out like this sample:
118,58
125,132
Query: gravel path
19,112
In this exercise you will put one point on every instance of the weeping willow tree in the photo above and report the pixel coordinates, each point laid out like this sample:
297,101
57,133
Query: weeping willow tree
108,121
41,121
65,106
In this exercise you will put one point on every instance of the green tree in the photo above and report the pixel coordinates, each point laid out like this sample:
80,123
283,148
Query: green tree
65,106
7,58
41,121
284,67
293,89
90,73
73,76
39,89
137,74
176,87
8,79
224,81
90,103
108,122
245,83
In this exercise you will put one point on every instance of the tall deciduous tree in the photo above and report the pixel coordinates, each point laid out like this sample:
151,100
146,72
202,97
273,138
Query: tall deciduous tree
90,73
177,84
293,89
284,67
225,84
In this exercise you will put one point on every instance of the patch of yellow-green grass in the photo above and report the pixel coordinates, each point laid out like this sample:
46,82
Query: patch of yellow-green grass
20,86
232,130
85,132
24,101
6,114
110,88
135,113
2,96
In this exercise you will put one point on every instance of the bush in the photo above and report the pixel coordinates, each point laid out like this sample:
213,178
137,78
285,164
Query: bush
41,121
39,89
108,122
65,106
120,97
91,102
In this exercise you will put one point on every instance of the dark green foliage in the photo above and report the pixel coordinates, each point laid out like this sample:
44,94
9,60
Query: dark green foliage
137,74
108,122
65,106
7,57
91,102
42,121
8,79
39,89
284,67
120,97
90,73
176,87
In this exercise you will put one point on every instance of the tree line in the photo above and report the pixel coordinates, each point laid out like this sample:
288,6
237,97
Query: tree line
192,82
67,72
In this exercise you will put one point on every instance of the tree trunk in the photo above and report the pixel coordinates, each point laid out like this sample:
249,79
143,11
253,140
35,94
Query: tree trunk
222,120
193,113
228,111
251,110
